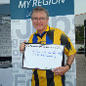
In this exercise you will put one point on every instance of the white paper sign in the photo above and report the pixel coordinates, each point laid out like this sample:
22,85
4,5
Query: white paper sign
43,56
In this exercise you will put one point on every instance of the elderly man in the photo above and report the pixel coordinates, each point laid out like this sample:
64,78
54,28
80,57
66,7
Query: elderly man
49,35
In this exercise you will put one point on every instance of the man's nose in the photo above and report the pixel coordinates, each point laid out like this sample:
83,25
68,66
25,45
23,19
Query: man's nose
38,20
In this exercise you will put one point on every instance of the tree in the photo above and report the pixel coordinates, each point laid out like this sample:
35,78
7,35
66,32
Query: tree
79,32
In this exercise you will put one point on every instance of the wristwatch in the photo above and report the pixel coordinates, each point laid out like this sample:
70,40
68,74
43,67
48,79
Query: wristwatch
69,65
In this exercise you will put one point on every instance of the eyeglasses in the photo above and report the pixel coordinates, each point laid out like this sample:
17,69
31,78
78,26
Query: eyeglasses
41,18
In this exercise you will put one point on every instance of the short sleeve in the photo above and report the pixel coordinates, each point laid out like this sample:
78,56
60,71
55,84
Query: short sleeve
68,46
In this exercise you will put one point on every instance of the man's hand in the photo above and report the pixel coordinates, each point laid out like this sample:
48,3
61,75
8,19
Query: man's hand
22,46
61,70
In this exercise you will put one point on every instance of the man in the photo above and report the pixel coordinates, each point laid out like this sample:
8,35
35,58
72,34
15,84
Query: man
49,35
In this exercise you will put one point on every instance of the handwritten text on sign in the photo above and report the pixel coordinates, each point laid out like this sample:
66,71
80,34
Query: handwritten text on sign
43,56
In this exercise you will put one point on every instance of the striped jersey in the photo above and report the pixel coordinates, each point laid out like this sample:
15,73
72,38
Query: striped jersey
50,36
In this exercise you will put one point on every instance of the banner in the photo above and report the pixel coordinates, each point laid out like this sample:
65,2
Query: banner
61,16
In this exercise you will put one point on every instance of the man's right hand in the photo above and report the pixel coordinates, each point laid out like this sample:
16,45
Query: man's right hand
22,46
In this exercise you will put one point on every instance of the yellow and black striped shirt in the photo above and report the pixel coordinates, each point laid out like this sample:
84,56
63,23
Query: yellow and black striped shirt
50,36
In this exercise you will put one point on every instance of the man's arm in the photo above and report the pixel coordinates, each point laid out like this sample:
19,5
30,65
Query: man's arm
62,70
70,51
70,59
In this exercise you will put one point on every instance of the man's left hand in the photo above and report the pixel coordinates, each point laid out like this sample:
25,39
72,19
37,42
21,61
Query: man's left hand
60,70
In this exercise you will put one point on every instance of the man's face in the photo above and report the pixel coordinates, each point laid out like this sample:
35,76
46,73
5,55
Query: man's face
39,20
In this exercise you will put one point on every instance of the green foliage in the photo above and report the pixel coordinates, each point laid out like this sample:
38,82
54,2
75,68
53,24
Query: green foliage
79,32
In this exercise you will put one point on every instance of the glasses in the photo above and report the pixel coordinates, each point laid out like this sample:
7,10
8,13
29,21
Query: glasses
41,18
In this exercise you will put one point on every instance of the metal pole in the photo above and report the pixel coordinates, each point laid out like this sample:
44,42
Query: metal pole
85,36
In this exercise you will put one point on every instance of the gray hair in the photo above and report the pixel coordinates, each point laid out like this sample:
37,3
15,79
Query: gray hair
39,8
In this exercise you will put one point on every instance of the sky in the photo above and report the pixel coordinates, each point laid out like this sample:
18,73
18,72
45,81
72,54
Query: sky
80,6
4,1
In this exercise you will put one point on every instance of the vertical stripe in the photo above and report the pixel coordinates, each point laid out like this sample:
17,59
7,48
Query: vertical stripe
49,73
42,77
50,78
50,37
48,41
33,81
57,80
35,38
35,71
36,78
42,81
42,73
63,80
65,42
63,62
